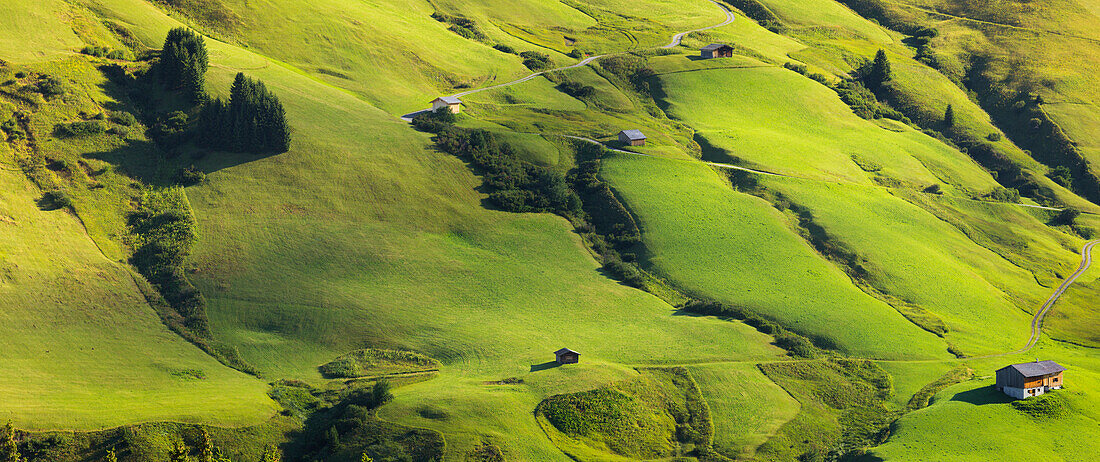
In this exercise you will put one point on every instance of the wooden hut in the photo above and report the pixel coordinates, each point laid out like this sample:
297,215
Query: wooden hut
567,356
716,50
449,102
1025,380
632,137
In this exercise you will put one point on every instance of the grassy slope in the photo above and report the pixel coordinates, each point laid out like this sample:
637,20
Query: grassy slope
966,286
783,122
709,239
91,353
746,407
972,422
82,349
373,239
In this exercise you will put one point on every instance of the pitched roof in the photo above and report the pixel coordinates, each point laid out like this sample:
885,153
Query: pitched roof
1037,368
448,100
714,46
564,351
633,134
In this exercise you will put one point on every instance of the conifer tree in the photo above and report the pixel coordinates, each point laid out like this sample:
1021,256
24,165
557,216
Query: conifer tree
880,70
949,117
183,63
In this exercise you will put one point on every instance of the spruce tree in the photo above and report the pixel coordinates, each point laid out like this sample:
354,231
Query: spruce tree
183,63
880,70
949,117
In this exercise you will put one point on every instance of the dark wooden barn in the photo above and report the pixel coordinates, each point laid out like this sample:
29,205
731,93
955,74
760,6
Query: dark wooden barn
1025,380
716,50
567,356
632,137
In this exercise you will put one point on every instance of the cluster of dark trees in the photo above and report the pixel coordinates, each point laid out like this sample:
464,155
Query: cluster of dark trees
183,63
253,120
535,61
577,89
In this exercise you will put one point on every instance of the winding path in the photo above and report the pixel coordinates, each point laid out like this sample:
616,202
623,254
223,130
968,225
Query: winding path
1037,320
676,39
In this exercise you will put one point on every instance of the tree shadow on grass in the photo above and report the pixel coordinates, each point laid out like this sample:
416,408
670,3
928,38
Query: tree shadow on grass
981,396
544,366
150,162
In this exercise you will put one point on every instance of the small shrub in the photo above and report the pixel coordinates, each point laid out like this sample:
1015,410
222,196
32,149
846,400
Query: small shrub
504,48
934,189
123,118
50,86
577,89
535,61
190,176
56,199
79,129
116,54
575,54
994,137
20,75
1010,195
1062,175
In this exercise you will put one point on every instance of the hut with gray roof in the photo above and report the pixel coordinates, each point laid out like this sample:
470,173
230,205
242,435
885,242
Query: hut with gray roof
1024,380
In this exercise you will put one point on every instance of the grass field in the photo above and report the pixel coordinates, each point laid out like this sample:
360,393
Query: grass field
711,240
747,408
83,349
783,122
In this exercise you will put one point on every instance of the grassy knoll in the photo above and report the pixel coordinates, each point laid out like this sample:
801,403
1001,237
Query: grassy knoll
649,417
35,31
783,122
746,407
967,288
972,421
83,349
739,249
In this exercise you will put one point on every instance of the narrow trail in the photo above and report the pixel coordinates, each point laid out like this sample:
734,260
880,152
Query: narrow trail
1037,320
675,41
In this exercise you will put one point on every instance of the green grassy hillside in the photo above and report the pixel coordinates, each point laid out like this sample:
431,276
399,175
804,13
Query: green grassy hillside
366,250
83,348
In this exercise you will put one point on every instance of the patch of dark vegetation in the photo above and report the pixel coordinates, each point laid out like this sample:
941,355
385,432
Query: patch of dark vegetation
465,27
49,86
577,89
103,52
845,398
343,426
630,68
855,91
79,129
55,199
190,176
535,60
1045,406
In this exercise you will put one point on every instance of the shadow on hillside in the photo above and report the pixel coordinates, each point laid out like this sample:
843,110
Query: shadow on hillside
544,366
157,163
981,396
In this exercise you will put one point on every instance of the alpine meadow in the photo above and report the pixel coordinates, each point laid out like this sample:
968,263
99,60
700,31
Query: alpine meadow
549,230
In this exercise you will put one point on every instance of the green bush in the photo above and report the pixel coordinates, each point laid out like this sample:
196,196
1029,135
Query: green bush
535,61
190,176
49,86
577,89
504,48
1062,175
56,199
79,129
123,118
